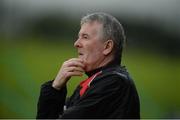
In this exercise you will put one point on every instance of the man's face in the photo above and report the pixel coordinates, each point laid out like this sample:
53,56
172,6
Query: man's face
90,45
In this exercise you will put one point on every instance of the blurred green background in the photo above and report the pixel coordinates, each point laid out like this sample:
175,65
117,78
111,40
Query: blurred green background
37,36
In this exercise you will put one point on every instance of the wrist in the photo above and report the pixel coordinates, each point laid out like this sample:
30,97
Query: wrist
56,86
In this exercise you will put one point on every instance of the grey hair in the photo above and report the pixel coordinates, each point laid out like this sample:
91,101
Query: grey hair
112,29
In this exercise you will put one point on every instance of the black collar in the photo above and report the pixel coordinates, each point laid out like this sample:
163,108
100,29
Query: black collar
92,72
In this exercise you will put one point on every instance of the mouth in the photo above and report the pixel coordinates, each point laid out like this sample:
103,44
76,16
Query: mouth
80,54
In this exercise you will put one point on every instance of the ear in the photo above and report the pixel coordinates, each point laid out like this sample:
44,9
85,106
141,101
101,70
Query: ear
108,47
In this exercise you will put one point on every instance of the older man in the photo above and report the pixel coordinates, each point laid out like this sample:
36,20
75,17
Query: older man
108,92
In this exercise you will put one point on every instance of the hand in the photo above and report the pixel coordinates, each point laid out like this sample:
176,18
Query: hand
71,67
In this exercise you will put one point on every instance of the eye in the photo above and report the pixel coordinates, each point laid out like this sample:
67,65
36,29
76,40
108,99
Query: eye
85,37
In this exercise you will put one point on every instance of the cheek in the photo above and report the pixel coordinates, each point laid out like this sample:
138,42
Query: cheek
93,55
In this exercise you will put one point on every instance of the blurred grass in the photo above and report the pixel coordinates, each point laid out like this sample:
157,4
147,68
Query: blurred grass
26,65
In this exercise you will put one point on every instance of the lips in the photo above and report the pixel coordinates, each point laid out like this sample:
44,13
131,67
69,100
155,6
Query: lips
80,54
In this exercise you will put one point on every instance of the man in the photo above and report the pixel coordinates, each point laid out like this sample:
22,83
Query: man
108,92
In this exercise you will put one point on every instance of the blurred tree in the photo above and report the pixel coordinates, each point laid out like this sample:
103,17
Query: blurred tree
53,27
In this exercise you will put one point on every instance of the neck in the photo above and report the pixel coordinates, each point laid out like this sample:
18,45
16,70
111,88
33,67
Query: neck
101,67
99,63
104,62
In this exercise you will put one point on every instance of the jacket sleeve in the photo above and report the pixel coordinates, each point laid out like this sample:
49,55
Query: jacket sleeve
95,103
51,101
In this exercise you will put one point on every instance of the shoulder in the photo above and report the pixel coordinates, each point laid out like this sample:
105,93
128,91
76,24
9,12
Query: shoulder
112,78
115,74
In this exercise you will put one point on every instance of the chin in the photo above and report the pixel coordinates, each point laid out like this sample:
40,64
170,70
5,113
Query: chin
89,69
86,69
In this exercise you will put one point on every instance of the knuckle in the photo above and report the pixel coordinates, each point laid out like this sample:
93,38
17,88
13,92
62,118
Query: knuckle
74,68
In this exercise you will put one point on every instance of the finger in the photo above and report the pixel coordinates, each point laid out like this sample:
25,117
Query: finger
76,59
71,69
75,63
75,73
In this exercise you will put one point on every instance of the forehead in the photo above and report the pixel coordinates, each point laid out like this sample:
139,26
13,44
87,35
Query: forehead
91,28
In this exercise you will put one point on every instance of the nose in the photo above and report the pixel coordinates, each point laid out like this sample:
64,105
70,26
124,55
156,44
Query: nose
77,43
